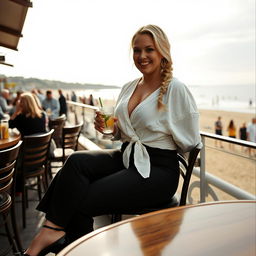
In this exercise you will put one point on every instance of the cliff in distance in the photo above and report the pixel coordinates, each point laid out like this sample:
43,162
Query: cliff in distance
29,83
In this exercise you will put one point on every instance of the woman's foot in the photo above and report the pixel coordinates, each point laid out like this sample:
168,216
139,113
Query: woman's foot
47,239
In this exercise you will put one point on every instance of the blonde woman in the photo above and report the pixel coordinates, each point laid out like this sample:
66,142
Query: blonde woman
28,118
156,117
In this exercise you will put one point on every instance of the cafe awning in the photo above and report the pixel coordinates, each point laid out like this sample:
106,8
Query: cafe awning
12,18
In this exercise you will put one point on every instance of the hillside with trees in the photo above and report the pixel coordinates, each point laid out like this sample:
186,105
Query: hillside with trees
27,84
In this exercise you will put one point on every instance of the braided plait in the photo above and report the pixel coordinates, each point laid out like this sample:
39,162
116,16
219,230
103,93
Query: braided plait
166,75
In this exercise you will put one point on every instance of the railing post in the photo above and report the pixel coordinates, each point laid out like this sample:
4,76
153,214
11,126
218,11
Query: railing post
202,173
85,125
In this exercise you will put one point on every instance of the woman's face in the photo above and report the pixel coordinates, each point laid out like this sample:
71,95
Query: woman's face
146,57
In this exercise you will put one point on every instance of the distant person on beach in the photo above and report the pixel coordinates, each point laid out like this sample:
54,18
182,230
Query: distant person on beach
218,130
243,133
73,96
250,103
231,132
51,105
156,116
251,133
91,100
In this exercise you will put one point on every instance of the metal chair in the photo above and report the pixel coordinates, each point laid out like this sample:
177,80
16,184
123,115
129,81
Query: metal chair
7,195
33,166
186,169
70,135
57,124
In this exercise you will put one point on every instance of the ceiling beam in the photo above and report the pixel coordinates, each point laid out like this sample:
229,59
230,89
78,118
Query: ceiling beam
23,2
7,64
10,31
8,46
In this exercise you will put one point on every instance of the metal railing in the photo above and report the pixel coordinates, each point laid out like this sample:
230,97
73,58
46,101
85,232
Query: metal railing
206,180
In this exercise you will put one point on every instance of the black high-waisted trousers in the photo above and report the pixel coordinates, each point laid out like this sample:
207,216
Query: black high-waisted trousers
93,183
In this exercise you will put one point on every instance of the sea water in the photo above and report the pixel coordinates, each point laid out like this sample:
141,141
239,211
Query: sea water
237,98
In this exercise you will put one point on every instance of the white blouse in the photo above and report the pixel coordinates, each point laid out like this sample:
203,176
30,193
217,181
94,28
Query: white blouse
176,128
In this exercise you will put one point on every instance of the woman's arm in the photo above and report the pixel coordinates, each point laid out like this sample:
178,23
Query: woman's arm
17,110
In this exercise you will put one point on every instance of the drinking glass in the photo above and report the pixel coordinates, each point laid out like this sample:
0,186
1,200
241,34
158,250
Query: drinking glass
107,114
4,129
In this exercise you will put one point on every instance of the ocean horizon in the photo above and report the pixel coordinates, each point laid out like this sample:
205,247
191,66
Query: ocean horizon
226,98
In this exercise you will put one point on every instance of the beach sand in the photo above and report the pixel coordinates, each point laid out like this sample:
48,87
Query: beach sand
230,164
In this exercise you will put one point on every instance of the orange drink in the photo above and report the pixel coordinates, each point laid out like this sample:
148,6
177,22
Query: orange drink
4,129
108,117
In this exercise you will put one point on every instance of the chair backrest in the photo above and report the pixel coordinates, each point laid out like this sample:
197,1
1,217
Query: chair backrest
186,169
35,150
70,135
57,124
8,159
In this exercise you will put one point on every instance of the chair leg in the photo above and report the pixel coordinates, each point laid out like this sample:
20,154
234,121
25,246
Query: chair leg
24,204
26,196
45,181
45,176
9,234
39,189
15,227
49,170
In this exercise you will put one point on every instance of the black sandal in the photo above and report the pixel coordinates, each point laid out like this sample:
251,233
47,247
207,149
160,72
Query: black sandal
57,246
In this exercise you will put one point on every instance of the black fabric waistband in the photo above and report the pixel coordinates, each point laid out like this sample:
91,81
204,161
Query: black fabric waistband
158,157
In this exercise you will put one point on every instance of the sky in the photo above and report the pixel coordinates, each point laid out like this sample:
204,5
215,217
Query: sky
85,41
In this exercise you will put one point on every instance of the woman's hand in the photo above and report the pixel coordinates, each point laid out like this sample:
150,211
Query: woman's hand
99,123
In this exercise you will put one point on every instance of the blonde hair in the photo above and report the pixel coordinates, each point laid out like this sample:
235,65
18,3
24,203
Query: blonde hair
163,46
30,107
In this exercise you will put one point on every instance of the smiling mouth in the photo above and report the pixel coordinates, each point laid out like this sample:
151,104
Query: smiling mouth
144,63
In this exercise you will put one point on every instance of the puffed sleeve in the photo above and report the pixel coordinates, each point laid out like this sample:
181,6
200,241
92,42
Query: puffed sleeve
183,118
185,132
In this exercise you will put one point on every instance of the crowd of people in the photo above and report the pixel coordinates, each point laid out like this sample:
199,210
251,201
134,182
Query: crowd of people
52,104
24,109
244,132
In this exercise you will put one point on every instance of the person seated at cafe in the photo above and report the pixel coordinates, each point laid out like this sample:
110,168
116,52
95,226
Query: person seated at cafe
63,103
4,97
51,105
15,100
2,116
28,118
156,116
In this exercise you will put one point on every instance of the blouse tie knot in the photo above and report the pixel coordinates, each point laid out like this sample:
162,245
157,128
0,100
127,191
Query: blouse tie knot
141,156
134,138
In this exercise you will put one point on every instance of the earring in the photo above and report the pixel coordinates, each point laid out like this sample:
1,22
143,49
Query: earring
163,63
